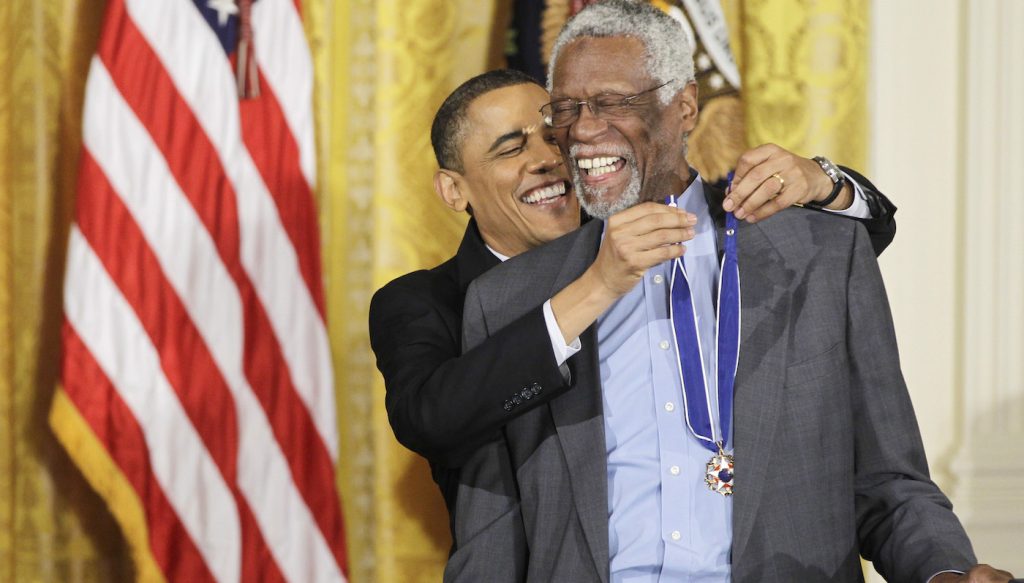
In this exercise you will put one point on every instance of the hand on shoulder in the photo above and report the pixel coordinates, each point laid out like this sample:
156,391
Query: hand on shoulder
770,178
977,574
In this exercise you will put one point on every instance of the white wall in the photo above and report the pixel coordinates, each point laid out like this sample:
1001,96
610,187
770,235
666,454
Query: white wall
947,144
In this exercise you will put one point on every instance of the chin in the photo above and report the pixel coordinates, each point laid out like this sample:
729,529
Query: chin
601,204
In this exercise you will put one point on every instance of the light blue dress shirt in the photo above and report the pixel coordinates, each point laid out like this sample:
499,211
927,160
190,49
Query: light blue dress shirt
664,522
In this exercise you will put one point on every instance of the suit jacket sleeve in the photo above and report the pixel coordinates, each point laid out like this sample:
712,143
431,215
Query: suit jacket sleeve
905,523
444,404
881,226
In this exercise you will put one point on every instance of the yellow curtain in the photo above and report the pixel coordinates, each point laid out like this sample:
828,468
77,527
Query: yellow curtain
805,72
382,68
53,527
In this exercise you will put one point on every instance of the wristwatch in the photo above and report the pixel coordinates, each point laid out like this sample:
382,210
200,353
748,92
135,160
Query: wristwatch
835,175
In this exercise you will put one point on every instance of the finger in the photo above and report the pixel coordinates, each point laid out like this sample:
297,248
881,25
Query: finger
765,192
766,210
627,249
658,255
652,221
641,210
789,196
987,573
660,238
752,158
745,186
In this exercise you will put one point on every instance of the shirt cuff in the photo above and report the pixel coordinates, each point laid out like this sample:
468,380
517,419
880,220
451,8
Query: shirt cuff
562,350
859,207
941,572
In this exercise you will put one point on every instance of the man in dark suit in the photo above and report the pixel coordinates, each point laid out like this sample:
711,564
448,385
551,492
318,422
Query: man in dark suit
498,162
613,480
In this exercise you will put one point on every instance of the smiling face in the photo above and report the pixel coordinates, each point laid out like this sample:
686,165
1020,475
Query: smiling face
617,163
513,177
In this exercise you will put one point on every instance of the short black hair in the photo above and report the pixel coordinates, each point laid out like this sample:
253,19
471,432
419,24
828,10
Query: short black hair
449,127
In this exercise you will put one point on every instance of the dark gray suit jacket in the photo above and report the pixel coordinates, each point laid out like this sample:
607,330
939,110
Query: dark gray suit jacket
830,464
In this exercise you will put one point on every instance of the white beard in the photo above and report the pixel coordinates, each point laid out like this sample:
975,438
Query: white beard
592,198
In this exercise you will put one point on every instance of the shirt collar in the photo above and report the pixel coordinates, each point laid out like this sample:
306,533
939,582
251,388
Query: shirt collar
693,197
502,258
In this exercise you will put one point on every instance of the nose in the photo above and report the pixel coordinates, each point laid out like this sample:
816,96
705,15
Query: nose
587,126
545,157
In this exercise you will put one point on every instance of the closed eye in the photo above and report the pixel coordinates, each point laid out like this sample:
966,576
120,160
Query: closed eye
511,151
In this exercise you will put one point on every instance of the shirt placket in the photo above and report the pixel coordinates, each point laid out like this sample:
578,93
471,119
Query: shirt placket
676,490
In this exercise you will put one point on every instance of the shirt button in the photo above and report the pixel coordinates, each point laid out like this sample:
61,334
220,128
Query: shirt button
674,470
676,535
670,406
658,278
663,345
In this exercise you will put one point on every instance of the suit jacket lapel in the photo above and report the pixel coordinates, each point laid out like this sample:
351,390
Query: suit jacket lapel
578,415
765,282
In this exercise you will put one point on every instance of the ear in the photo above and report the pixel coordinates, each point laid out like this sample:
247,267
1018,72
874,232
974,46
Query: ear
448,185
686,102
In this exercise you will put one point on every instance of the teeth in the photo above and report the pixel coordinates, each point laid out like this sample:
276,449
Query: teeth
548,192
598,166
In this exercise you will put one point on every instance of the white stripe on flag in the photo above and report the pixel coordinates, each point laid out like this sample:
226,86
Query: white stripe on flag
136,169
267,253
194,486
288,68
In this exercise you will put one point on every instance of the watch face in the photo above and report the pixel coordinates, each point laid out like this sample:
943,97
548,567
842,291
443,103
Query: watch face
830,169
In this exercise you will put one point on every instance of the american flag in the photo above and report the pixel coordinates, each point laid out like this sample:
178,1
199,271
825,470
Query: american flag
197,385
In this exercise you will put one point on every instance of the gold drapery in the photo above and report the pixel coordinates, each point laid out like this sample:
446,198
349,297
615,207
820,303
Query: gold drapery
53,527
382,68
805,71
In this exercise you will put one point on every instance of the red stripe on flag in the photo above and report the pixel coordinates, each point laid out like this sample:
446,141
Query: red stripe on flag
185,359
196,166
88,387
150,92
276,154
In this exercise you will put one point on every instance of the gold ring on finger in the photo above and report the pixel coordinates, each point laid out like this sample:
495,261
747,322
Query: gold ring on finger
782,182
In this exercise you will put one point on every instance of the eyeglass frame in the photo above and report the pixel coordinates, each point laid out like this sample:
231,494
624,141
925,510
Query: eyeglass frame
627,100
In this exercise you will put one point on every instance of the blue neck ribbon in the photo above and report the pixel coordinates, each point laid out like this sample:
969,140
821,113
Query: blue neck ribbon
696,395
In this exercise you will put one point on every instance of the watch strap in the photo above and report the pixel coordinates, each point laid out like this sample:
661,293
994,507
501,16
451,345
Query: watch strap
837,178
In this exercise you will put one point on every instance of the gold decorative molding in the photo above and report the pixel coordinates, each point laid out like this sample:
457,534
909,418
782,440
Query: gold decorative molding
343,43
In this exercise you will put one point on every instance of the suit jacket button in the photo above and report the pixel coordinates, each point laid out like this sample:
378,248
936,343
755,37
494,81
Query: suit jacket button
508,405
526,394
536,388
516,399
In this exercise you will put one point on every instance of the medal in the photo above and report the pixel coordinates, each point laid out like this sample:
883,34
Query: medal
719,473
700,419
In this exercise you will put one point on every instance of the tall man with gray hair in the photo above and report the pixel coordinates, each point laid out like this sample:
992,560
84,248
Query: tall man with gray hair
738,413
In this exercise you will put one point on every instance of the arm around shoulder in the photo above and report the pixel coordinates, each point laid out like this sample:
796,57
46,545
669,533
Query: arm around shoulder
444,404
881,226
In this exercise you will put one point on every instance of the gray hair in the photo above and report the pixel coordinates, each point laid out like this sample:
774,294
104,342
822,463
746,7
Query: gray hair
669,54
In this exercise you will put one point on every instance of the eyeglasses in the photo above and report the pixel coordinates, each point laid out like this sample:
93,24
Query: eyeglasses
564,112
